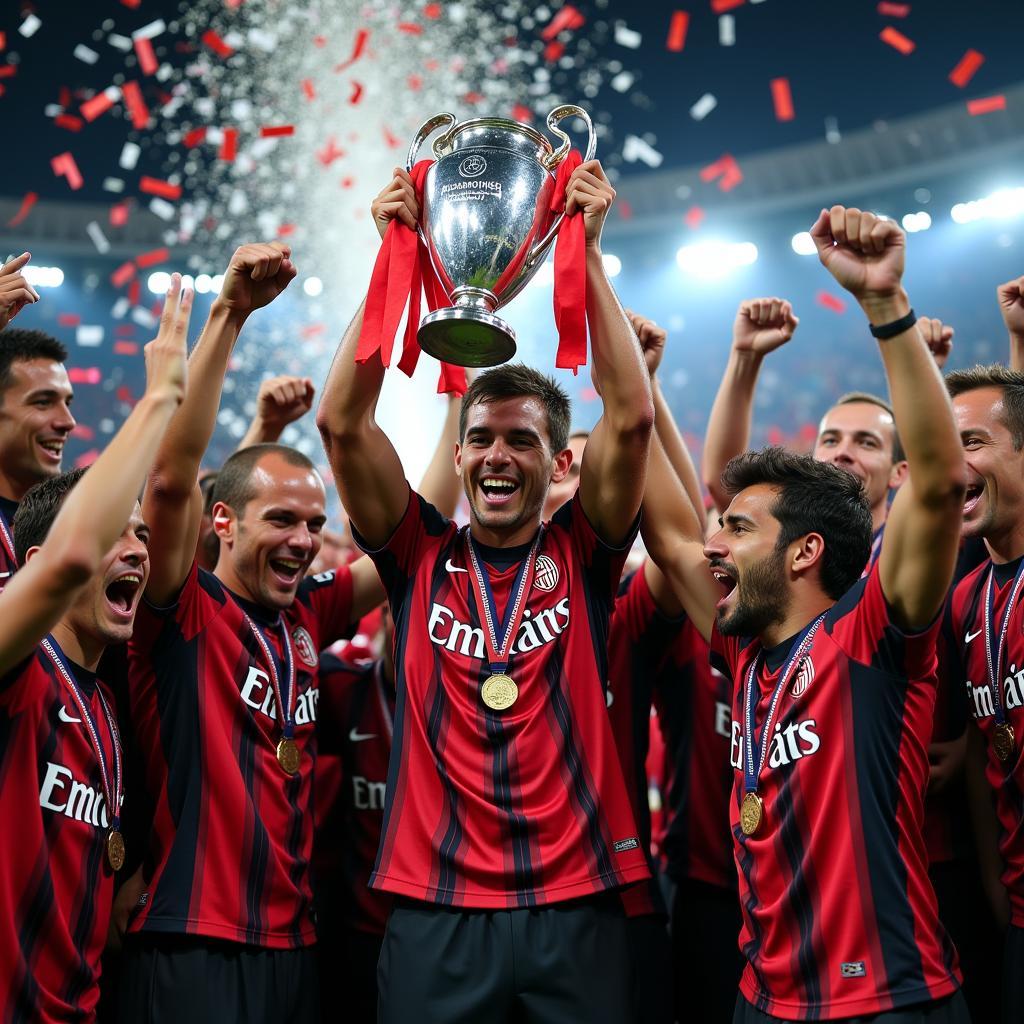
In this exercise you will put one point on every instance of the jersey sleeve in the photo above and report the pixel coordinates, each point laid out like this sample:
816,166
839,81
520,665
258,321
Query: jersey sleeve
861,624
327,596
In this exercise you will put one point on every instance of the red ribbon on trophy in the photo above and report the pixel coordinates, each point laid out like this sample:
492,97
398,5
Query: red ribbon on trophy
401,273
570,275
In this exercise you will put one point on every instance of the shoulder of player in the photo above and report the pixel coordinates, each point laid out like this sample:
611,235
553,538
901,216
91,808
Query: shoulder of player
32,680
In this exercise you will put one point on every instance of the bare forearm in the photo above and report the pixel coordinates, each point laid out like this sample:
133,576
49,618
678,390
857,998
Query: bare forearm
441,485
729,425
1017,352
675,448
260,432
352,389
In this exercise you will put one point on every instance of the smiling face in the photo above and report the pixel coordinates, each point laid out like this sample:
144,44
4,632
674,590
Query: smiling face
267,546
994,502
35,421
506,464
744,557
858,437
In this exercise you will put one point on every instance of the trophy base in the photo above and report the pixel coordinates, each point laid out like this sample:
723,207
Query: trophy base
466,337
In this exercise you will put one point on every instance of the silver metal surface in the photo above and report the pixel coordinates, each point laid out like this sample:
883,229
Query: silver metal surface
486,221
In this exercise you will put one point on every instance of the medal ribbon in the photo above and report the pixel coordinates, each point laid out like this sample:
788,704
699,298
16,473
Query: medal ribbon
570,275
5,536
994,649
400,274
757,751
285,702
499,642
113,790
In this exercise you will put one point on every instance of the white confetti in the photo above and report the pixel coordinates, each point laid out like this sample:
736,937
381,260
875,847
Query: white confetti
130,154
113,185
163,209
53,110
89,335
30,26
634,148
727,30
118,310
265,41
703,107
832,133
164,72
150,31
95,232
83,53
623,81
625,36
119,42
143,317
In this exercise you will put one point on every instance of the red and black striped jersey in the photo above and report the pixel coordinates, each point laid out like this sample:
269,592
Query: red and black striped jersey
8,565
967,666
357,712
513,808
56,887
839,916
694,705
639,638
232,834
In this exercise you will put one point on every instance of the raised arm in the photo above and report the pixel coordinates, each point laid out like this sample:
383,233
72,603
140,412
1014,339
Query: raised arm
1011,305
15,291
760,327
95,512
922,533
172,505
366,467
279,402
614,460
441,485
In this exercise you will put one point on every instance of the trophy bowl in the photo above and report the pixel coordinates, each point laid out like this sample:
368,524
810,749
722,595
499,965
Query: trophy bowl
487,224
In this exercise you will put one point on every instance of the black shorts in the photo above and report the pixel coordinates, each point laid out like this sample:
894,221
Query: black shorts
1013,976
192,980
951,1010
348,977
650,954
567,963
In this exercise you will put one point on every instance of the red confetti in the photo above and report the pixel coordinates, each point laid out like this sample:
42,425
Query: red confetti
8,70
677,31
308,88
68,121
625,209
89,457
126,348
284,230
432,11
27,202
410,28
986,105
147,58
229,145
3,40
124,273
64,166
362,38
391,140
119,214
152,258
726,170
124,393
136,104
521,113
693,218
721,6
99,104
783,99
897,40
893,10
414,82
320,41
273,131
84,374
156,187
553,51
134,291
69,319
967,68
357,93
329,153
567,19
829,301
194,137
133,4
84,432
215,43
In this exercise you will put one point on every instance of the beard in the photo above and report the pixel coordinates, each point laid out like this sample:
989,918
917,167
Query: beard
761,600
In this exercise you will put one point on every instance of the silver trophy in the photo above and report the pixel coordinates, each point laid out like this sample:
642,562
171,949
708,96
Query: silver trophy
486,221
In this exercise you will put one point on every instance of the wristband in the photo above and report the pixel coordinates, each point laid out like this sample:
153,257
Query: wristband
890,330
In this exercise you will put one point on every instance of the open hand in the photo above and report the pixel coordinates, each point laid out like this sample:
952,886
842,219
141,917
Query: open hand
15,291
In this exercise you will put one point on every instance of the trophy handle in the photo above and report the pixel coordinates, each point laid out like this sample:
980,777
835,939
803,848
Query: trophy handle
427,129
555,158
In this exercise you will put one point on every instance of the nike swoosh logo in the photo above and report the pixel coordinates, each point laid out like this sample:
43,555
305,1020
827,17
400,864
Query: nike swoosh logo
970,636
355,736
65,717
451,567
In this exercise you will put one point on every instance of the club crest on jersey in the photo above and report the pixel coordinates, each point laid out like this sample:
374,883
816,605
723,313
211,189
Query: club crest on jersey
546,575
804,677
304,645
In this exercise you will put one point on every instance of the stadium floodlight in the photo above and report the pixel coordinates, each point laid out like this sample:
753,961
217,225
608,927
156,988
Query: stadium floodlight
203,283
1003,204
158,282
803,244
612,264
715,259
913,222
313,286
43,277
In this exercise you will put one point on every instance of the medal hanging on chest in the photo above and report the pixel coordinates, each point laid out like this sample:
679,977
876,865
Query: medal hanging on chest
755,749
288,754
1004,744
110,776
500,691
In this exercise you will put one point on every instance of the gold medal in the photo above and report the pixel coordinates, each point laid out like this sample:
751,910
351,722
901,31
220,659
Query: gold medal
1003,742
288,756
751,813
115,849
499,692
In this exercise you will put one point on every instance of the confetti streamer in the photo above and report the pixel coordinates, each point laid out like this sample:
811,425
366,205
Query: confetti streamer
130,154
84,374
8,70
986,105
152,258
68,319
829,301
703,107
89,335
124,273
897,40
625,36
966,68
308,89
358,49
721,6
113,185
84,54
725,170
727,30
215,43
150,31
276,131
68,122
156,187
565,20
634,148
782,98
229,145
410,28
357,93
135,104
95,232
890,10
192,138
126,348
146,56
30,26
677,31
119,214
64,166
28,201
100,103
694,218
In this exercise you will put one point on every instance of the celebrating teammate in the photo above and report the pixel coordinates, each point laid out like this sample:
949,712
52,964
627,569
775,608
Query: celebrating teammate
834,682
507,818
82,545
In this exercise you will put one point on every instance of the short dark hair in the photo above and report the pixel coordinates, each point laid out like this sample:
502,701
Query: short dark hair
234,485
38,509
855,397
814,497
1009,382
515,380
19,345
